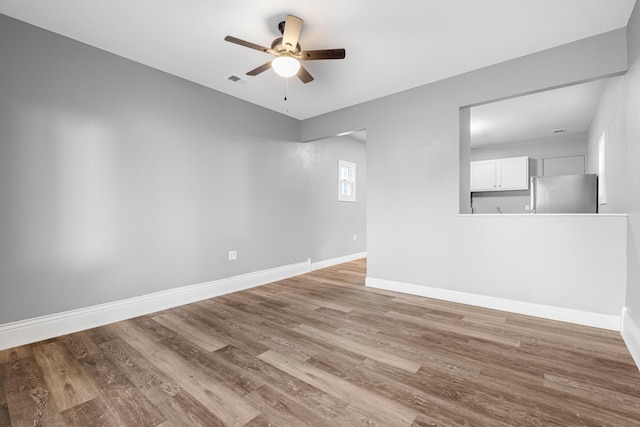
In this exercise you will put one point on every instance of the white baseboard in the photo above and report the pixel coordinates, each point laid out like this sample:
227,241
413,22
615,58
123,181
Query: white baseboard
40,328
631,335
335,261
598,320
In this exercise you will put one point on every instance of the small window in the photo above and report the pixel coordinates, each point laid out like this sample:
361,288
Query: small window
346,181
602,170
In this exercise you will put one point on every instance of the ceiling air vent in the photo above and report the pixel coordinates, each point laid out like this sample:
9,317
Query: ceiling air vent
237,79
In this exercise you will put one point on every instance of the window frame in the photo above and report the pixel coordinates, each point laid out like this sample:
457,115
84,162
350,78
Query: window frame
602,169
350,180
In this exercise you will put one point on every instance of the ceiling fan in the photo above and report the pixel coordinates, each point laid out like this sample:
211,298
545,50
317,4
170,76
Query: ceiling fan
288,53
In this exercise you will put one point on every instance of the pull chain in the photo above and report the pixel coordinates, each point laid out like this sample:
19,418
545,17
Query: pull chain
286,88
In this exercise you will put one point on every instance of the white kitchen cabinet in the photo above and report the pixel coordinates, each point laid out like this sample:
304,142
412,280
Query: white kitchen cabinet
500,174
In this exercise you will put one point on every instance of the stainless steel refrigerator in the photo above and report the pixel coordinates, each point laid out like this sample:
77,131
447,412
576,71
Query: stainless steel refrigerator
564,194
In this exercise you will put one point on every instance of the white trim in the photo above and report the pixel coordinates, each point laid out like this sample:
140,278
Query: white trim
543,215
598,320
631,335
54,325
335,261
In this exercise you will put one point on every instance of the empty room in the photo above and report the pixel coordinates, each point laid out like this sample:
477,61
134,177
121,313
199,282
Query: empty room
284,213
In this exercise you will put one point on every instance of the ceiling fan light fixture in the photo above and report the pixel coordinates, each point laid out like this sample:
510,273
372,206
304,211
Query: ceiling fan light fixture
285,66
287,52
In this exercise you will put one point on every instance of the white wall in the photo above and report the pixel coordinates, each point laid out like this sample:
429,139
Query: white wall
415,235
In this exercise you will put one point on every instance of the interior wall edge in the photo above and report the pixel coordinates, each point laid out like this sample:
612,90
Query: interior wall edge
630,332
54,325
568,315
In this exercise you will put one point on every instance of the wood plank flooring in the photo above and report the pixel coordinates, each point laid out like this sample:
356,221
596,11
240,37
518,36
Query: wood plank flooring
323,350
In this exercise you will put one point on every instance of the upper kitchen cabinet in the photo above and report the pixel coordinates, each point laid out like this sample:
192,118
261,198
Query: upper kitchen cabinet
500,174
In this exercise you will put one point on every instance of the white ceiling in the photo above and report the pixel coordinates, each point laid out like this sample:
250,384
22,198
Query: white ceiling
391,46
535,117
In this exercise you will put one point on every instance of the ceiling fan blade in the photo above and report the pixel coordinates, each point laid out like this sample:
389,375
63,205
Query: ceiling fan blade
292,29
311,55
246,44
260,69
304,75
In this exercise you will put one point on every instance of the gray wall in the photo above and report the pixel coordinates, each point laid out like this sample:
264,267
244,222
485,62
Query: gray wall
414,232
117,180
335,223
516,201
611,118
632,123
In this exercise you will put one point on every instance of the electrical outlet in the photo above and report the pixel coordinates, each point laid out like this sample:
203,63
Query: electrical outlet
233,255
526,208
354,236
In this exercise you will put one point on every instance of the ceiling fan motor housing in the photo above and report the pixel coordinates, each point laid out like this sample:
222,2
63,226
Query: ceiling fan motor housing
279,49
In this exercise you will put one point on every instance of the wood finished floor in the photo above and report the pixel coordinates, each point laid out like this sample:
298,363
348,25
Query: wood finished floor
323,350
